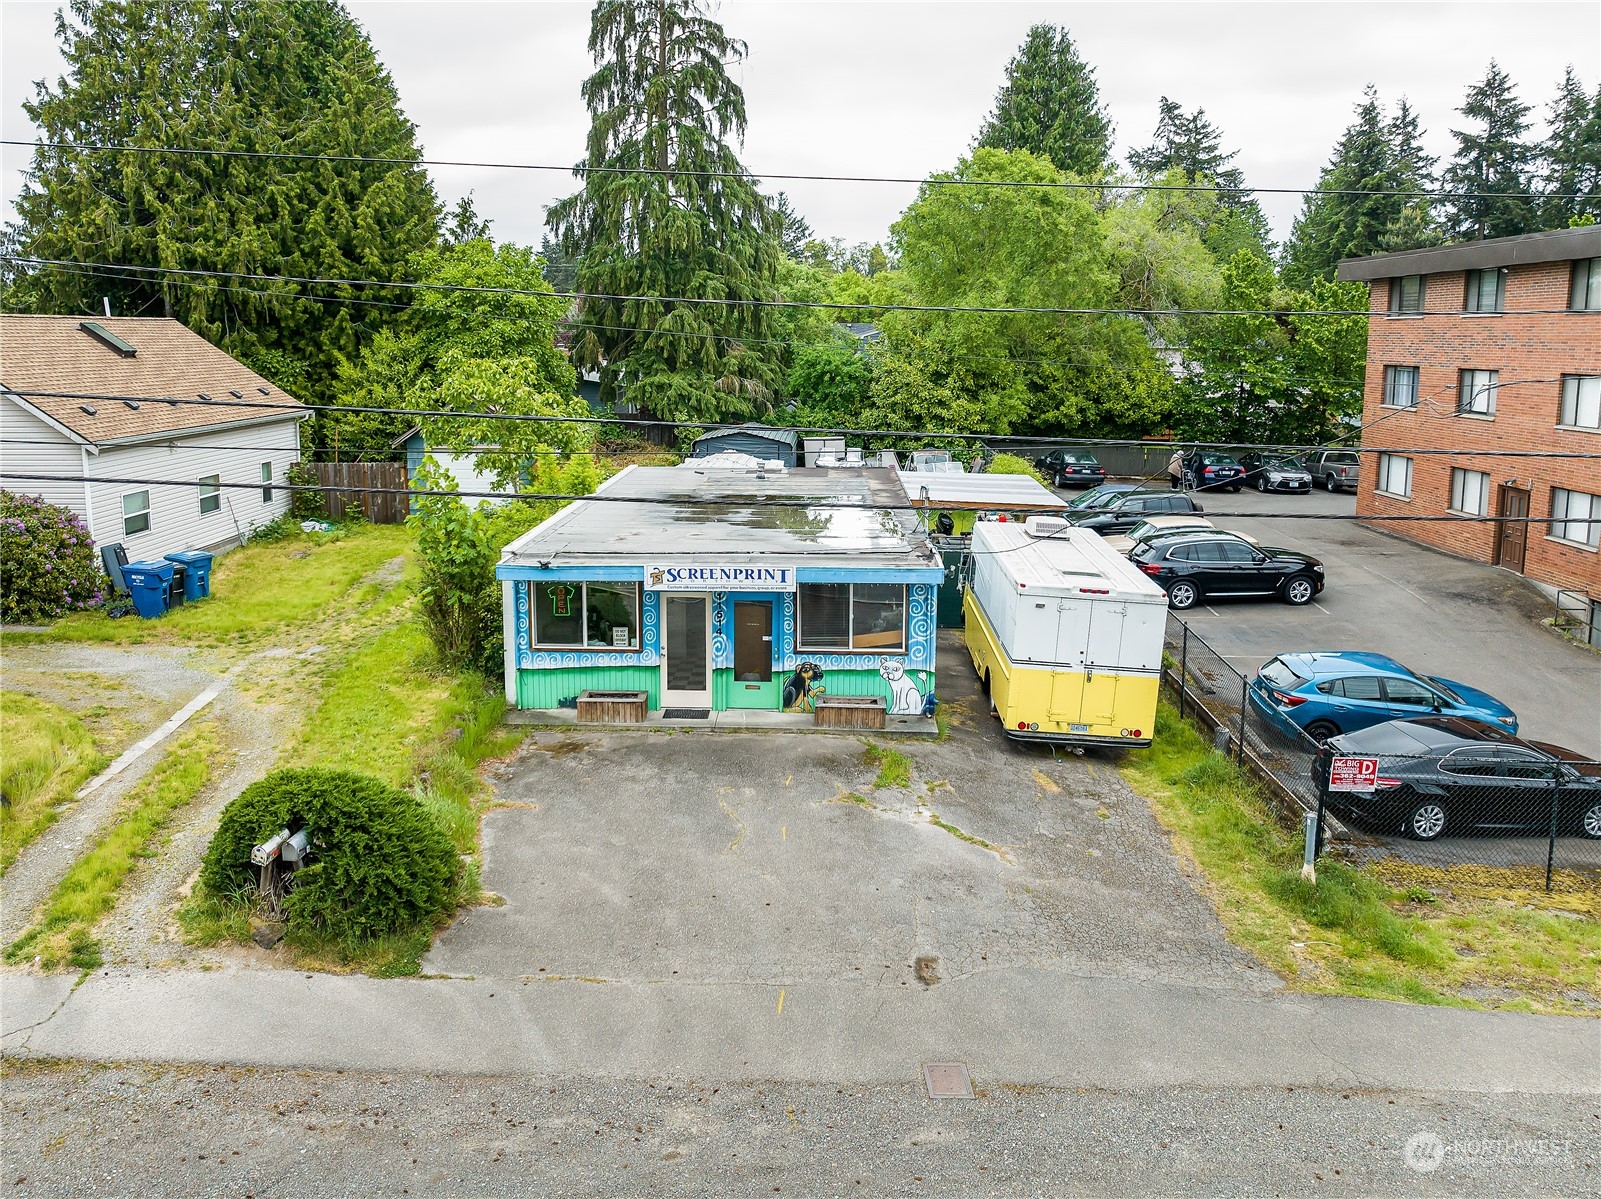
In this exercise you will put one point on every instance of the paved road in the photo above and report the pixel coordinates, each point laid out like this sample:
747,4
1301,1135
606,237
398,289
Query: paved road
1439,614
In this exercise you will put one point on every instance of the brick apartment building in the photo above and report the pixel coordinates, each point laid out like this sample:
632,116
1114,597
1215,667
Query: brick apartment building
1489,345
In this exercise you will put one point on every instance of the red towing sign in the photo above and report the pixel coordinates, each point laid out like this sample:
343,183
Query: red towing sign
1353,774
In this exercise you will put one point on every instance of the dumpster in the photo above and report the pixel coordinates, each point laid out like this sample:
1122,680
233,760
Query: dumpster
197,567
147,585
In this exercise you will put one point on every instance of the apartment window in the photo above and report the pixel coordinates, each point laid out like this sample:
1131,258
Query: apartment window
1395,475
210,494
588,615
1576,516
1586,295
1401,387
1476,393
1581,402
852,616
135,513
1486,290
1406,294
266,482
1470,491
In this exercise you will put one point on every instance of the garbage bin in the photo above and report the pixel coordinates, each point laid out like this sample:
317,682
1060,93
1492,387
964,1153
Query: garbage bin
197,579
147,585
175,587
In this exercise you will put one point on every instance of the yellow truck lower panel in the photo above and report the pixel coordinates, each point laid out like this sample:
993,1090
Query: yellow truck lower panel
1068,707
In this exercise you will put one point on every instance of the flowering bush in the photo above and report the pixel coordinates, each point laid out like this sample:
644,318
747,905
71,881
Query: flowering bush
48,564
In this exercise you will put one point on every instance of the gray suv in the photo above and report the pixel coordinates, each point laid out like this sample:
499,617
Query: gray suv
1337,470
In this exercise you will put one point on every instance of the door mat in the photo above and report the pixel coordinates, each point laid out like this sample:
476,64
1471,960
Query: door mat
686,713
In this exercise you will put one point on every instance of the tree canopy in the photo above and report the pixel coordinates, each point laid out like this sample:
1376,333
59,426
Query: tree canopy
1491,157
1190,144
1049,105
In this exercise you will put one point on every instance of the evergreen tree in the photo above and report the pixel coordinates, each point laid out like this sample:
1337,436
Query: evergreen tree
1190,143
1491,157
1050,106
561,267
663,108
1411,170
464,224
1352,206
1572,156
269,76
793,230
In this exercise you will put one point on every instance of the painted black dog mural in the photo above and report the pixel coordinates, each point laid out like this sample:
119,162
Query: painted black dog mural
803,687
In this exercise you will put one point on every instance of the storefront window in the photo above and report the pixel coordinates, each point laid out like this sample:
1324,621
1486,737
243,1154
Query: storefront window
558,613
870,617
825,616
611,612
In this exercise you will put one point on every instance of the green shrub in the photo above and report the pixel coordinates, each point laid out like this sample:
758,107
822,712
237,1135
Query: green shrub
306,505
1011,464
48,564
380,862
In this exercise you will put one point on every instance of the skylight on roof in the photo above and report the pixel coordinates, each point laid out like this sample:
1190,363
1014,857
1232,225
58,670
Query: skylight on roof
107,338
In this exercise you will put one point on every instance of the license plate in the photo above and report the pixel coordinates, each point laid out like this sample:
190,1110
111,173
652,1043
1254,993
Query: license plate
1078,728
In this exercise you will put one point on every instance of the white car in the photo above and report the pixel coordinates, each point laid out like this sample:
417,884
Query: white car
1124,542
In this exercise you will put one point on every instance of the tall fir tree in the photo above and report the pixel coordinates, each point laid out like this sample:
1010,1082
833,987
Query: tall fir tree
1050,106
1492,169
1412,170
680,220
268,76
1571,187
1190,143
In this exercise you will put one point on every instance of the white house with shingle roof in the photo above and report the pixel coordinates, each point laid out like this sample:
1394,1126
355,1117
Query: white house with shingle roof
94,404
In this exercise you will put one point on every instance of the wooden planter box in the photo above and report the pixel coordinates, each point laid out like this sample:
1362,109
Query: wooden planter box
612,707
850,711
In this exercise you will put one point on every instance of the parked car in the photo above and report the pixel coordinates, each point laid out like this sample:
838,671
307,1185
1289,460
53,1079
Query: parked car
1099,496
1337,470
1071,468
1275,472
1209,468
1152,525
1441,774
1122,512
1343,691
1200,562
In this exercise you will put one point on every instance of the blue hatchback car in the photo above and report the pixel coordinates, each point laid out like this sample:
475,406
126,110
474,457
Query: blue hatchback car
1329,693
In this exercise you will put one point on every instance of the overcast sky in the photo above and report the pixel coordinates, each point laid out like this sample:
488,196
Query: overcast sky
901,88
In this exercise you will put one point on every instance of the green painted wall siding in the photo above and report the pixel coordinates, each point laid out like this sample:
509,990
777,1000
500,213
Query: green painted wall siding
866,682
548,686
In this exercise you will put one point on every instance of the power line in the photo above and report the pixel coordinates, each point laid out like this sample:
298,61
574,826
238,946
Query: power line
756,176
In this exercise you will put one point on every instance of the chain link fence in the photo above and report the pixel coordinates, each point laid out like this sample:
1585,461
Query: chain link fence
1534,815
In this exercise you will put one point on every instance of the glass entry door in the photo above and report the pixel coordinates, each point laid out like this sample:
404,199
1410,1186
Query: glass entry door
753,685
687,645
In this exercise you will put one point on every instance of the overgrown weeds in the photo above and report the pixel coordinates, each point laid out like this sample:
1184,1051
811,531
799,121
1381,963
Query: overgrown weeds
48,755
894,767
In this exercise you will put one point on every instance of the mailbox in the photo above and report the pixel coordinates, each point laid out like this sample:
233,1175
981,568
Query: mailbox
296,848
268,849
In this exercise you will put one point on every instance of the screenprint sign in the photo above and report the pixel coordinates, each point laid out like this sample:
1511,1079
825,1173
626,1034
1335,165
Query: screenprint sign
719,578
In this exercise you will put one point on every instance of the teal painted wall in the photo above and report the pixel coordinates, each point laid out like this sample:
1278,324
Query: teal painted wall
863,682
548,686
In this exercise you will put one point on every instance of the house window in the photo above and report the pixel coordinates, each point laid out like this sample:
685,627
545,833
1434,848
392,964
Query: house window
1586,295
135,513
1576,517
266,482
1406,294
210,494
1581,402
570,615
1476,393
1486,290
869,617
1395,475
1470,491
1400,387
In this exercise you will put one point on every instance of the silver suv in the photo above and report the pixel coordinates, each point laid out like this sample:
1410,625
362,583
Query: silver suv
1335,469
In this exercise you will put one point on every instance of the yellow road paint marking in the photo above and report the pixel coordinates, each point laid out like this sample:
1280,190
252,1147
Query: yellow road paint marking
788,779
1047,782
780,1002
783,832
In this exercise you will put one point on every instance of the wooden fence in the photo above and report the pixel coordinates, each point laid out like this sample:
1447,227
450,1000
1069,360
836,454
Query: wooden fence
355,482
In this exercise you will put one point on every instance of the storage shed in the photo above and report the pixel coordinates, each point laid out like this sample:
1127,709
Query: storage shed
759,441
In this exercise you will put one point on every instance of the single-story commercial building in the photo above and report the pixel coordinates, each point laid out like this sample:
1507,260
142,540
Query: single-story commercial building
710,589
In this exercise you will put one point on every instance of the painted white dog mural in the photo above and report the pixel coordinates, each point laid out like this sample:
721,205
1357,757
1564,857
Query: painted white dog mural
905,698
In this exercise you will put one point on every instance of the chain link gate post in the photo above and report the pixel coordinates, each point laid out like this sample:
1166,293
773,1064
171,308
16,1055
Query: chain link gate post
1184,665
1551,840
1245,694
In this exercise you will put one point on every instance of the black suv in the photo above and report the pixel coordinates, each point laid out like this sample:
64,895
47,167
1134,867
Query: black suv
1208,468
1123,511
1206,562
1071,468
1440,773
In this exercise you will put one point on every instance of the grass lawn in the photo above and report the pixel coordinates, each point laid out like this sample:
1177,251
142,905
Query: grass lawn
1464,936
48,755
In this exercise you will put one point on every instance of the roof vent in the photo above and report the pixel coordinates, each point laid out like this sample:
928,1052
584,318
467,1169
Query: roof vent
107,338
238,395
134,404
264,391
202,395
1045,526
171,401
89,408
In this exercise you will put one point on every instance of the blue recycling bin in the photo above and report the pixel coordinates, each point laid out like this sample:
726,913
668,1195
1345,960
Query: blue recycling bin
197,572
147,586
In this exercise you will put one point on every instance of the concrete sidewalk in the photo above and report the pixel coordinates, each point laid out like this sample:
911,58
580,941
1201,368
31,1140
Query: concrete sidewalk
1018,1027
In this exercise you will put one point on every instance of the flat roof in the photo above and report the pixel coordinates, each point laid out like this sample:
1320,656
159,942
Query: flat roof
1011,493
1065,562
1554,245
657,513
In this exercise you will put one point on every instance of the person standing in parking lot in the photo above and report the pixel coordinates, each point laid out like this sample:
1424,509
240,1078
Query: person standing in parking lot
1175,469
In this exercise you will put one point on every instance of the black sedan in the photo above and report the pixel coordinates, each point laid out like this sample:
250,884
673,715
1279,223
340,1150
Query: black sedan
1211,562
1451,773
1071,468
1208,468
1122,511
1276,472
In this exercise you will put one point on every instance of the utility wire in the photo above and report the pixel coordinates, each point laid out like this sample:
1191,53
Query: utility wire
756,176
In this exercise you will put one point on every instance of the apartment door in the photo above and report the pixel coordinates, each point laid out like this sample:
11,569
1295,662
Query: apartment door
686,651
1512,533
